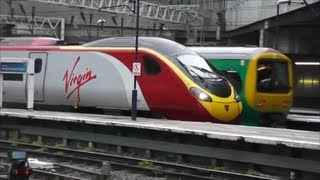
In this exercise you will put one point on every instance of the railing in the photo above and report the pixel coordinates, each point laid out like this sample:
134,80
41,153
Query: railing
56,26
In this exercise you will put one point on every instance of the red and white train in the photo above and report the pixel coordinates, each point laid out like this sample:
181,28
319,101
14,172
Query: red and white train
175,82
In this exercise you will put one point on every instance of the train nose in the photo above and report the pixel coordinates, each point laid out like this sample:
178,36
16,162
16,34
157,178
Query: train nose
226,106
227,112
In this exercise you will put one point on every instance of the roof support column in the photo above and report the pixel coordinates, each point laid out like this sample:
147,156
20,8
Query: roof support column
262,35
261,38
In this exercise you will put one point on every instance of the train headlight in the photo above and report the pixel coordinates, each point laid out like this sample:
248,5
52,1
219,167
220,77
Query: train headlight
200,94
237,97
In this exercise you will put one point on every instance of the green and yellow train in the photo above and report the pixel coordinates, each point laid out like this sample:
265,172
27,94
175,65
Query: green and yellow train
263,77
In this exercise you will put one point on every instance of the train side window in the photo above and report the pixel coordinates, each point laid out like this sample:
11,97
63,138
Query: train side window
151,66
37,65
13,77
234,78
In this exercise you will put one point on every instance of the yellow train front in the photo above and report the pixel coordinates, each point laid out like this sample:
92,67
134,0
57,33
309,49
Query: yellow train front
270,74
213,92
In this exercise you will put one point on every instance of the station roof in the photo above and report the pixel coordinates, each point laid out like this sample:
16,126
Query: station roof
308,16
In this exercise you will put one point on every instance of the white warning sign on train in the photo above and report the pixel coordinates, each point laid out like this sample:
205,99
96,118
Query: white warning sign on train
136,69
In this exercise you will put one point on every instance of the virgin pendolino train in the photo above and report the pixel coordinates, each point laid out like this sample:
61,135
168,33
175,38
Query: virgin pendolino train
175,82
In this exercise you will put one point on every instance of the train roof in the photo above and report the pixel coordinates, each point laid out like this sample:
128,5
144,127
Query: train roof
231,52
166,46
28,41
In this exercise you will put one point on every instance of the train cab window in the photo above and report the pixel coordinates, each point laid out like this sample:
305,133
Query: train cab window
37,65
151,66
272,76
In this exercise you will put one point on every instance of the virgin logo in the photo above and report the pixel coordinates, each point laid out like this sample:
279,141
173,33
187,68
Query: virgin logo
73,82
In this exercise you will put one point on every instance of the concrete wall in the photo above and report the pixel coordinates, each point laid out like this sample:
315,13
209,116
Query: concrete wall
243,12
303,41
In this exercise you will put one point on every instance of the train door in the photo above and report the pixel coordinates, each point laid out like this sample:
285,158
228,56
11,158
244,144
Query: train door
40,72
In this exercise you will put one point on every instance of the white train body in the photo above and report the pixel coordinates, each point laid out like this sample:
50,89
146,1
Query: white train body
91,78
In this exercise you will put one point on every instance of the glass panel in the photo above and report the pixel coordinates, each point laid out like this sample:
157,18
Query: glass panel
13,77
37,65
13,155
205,76
272,76
235,79
197,66
151,66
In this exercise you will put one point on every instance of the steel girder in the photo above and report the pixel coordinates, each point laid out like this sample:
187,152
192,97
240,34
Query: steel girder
38,23
170,13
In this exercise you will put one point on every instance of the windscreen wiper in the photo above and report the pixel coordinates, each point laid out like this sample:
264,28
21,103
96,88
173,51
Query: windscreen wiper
190,70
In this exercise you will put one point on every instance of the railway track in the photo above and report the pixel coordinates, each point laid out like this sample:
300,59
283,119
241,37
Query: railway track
82,160
255,153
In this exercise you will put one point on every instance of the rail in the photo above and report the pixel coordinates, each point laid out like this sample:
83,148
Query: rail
154,144
151,168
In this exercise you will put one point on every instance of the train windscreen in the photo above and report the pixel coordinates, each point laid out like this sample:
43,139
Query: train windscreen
196,66
272,76
204,76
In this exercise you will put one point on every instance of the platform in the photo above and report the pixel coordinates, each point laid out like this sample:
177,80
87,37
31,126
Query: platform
260,135
306,115
308,111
